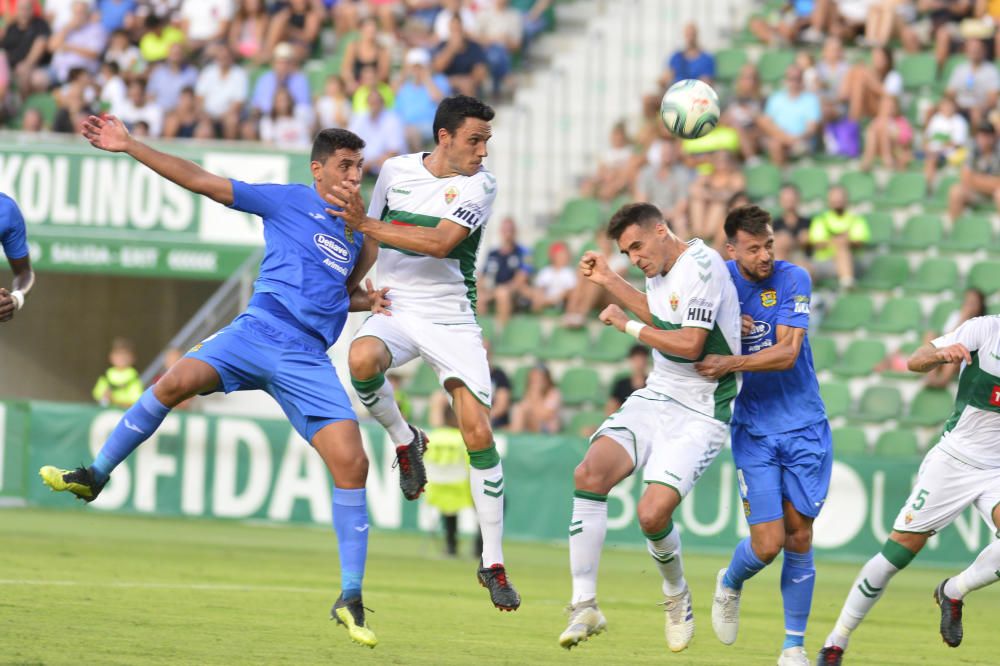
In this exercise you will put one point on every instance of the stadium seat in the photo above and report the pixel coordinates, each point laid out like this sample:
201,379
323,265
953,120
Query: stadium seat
938,201
824,352
886,272
728,63
940,314
763,180
580,215
897,443
920,233
899,315
849,441
836,397
933,276
930,407
918,71
904,189
580,386
610,347
860,358
971,232
813,182
904,351
519,381
860,186
45,103
772,65
565,343
540,253
949,66
424,381
881,227
878,404
985,276
849,313
521,337
590,419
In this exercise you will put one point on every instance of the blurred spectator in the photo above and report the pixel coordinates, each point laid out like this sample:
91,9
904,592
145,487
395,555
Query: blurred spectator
616,169
450,9
842,18
78,44
744,109
538,410
119,14
60,13
120,385
183,120
123,53
344,14
831,70
25,41
32,121
76,97
222,88
297,23
664,182
333,108
205,21
462,60
169,78
948,19
638,370
159,37
365,51
890,136
386,11
791,119
418,93
886,19
504,281
587,296
973,305
284,73
248,31
500,29
866,85
141,129
791,228
975,83
835,235
794,19
690,62
945,139
447,464
539,15
502,391
382,132
113,90
8,9
980,177
136,108
287,125
370,82
710,195
738,200
554,282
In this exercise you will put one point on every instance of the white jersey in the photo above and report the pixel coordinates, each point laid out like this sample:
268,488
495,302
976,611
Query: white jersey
698,292
407,194
972,434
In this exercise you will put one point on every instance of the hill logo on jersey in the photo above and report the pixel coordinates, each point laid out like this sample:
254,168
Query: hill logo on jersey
450,194
769,298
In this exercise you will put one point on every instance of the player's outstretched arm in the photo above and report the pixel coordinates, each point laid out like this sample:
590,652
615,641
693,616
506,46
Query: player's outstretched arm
109,133
24,280
780,356
928,357
595,268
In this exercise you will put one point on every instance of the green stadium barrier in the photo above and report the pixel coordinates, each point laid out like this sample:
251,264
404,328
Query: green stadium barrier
246,468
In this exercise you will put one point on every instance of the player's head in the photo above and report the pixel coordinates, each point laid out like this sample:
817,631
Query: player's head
336,159
750,241
643,235
461,131
837,199
122,354
788,198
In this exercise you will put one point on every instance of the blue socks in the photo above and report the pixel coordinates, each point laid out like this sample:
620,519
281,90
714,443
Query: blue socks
744,565
350,522
798,578
139,422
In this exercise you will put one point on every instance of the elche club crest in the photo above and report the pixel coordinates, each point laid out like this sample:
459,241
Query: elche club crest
675,300
450,194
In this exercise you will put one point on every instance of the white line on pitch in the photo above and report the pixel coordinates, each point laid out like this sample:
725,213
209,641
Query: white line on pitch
207,587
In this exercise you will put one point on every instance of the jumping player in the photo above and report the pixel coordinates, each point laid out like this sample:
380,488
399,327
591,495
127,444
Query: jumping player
14,240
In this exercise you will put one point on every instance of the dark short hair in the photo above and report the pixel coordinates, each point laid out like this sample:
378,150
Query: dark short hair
452,112
330,140
753,220
633,213
638,350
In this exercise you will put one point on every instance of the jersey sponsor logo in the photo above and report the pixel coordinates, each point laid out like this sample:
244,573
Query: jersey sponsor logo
995,396
700,314
469,213
801,304
760,330
399,190
450,194
317,216
333,248
769,298
674,301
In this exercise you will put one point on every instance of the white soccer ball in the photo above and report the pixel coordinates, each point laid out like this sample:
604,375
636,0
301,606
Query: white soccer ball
690,109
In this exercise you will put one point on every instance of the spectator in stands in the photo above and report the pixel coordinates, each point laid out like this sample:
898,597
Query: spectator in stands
787,27
365,51
890,136
137,108
287,125
980,177
296,23
117,14
59,13
500,29
125,54
78,44
616,169
248,31
32,121
284,73
418,93
25,41
842,18
449,9
539,16
538,410
554,282
159,37
791,227
76,97
975,83
710,195
505,280
743,110
205,22
945,139
502,391
169,78
835,235
952,18
448,489
886,19
333,108
973,305
183,120
370,82
462,60
345,14
790,123
866,85
690,62
832,68
587,296
382,131
638,370
119,386
664,182
222,88
113,90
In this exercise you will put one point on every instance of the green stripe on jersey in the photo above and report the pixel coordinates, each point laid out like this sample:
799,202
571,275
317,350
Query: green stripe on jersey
715,343
976,388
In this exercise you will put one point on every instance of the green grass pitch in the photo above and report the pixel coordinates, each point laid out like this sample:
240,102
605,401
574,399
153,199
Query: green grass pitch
84,587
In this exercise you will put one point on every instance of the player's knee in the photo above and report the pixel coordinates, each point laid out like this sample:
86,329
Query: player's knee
767,547
586,477
171,389
478,435
799,540
652,518
364,359
354,470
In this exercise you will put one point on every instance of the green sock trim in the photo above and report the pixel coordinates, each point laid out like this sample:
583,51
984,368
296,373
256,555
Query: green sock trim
368,385
656,536
898,555
595,497
485,459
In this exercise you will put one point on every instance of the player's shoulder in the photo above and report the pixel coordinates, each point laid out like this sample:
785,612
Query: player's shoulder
787,271
10,213
483,177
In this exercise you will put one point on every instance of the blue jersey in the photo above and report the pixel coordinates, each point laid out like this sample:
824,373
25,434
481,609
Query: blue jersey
308,255
776,402
13,236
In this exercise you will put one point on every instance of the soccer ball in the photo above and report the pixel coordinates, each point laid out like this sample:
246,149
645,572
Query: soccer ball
690,109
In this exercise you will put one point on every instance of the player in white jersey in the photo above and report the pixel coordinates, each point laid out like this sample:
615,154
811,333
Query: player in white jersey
962,470
427,212
672,429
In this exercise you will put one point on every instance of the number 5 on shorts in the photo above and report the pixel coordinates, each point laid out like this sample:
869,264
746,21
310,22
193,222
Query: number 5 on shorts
918,503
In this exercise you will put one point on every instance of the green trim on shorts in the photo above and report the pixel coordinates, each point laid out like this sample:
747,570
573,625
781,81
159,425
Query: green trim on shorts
664,483
635,447
662,534
898,554
587,495
487,405
385,344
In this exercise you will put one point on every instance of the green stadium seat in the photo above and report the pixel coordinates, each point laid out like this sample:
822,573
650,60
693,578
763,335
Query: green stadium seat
881,227
813,182
993,309
44,103
824,352
540,253
519,382
938,201
949,66
930,407
565,344
580,386
488,325
424,381
588,419
918,70
849,313
899,316
878,404
860,186
836,397
970,233
904,351
521,337
728,63
860,358
610,347
886,272
904,189
933,276
849,441
763,180
941,313
920,232
773,63
897,443
580,215
985,276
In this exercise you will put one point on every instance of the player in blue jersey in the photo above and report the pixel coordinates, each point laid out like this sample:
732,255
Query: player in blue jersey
309,279
781,439
14,240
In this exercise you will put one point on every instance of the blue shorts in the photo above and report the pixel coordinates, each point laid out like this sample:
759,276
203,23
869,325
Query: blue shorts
793,466
259,351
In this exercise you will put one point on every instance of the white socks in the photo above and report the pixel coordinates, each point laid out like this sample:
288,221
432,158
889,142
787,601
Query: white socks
867,589
665,549
587,529
381,403
984,571
486,479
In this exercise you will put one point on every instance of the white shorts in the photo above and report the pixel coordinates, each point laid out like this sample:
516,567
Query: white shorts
673,444
945,487
454,351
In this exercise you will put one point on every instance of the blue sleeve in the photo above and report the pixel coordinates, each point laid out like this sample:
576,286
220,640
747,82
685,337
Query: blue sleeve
298,86
13,235
264,200
263,93
796,292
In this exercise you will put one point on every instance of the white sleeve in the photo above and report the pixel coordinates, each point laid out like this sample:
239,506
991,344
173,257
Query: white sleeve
474,204
702,291
973,334
379,200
